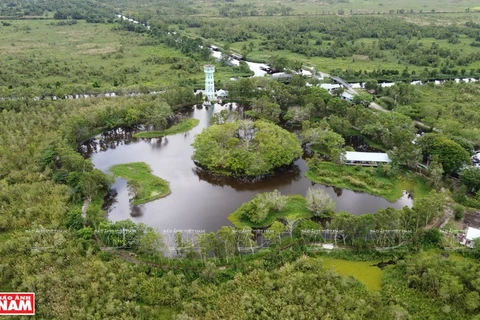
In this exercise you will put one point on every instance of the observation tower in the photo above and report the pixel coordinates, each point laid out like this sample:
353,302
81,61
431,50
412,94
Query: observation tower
209,82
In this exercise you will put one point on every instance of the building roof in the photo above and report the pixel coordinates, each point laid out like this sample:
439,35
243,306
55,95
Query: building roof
330,86
281,75
306,73
367,156
347,95
221,93
472,233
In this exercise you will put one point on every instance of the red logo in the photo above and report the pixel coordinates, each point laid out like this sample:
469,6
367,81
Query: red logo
17,303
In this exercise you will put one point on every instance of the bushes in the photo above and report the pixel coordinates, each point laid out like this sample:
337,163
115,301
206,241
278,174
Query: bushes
458,212
359,178
257,209
320,203
468,201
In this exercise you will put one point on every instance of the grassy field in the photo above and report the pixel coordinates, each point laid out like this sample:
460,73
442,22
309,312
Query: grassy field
183,126
363,271
88,57
365,179
295,208
314,7
147,187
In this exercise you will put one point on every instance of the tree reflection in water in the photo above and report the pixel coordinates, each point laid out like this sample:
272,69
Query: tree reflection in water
109,200
136,211
338,191
284,176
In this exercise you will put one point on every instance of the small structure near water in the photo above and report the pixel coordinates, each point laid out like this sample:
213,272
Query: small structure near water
347,96
470,236
366,158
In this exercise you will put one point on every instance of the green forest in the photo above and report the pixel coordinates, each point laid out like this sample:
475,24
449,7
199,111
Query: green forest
57,240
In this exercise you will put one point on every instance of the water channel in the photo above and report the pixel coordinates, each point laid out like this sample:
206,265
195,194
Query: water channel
199,200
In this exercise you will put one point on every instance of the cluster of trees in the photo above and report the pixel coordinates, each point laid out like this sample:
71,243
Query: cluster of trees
245,148
395,131
257,209
449,107
83,279
321,138
450,154
403,223
453,284
444,72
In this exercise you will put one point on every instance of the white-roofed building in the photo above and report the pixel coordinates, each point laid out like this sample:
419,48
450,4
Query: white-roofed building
221,93
280,75
330,86
366,158
470,236
347,96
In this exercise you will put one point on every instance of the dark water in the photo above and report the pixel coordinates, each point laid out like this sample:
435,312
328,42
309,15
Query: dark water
201,201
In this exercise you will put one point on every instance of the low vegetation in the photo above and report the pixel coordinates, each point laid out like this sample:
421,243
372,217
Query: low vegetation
250,215
145,186
183,126
381,181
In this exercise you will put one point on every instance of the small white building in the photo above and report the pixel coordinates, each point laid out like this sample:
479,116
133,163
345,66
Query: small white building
330,86
218,94
221,93
281,75
470,236
347,96
366,158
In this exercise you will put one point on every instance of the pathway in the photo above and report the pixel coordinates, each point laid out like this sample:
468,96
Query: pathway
374,105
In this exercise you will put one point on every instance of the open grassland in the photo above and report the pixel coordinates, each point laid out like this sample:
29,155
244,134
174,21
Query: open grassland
296,208
183,126
292,7
146,186
86,57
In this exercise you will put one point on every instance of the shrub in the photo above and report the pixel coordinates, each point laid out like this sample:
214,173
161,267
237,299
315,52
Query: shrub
319,202
458,212
257,209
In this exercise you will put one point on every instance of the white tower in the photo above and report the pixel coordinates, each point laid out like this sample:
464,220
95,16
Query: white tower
209,82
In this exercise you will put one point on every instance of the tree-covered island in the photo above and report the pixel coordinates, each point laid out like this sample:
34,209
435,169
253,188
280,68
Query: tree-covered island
245,148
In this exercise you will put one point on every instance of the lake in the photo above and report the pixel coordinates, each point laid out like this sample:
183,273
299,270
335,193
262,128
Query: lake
200,200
